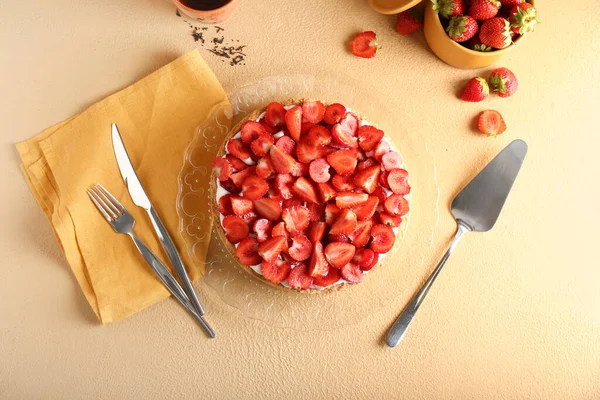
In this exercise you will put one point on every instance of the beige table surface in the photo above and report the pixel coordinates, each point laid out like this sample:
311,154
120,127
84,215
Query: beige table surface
516,314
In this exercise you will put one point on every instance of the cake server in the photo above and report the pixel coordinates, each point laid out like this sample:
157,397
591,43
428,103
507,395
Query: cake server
476,208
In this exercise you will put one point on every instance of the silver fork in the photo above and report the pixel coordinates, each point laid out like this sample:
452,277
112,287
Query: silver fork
122,222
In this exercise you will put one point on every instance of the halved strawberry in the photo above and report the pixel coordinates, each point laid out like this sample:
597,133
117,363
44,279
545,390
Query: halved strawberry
306,152
391,160
368,178
331,213
397,179
279,230
247,252
334,113
286,144
254,187
306,127
316,211
316,231
235,228
326,191
293,121
367,209
352,273
236,163
361,235
241,206
318,135
396,205
331,238
313,111
299,278
270,249
332,277
364,44
350,199
275,272
303,188
343,138
390,220
369,162
264,167
339,254
327,150
360,155
225,205
262,227
238,178
349,124
250,217
343,182
365,258
294,201
319,170
381,149
283,183
261,145
238,148
345,223
383,179
383,238
300,169
380,193
223,168
301,248
343,161
275,114
368,137
270,129
251,130
268,208
318,265
296,219
282,161
230,186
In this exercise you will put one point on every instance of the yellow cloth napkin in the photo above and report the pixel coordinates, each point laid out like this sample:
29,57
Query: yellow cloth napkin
157,118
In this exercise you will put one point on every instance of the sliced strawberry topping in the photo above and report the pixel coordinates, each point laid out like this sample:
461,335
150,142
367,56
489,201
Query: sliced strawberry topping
282,161
369,162
279,230
264,167
247,252
352,273
296,219
306,127
313,111
343,183
391,160
368,137
294,201
390,220
318,265
254,187
383,238
305,190
337,238
300,169
293,121
318,135
380,193
350,199
332,277
236,163
345,223
306,152
334,113
316,211
250,217
286,144
367,209
343,161
276,272
316,231
343,138
283,183
380,150
268,208
368,178
225,205
301,248
397,179
271,130
365,258
251,130
319,170
223,168
327,150
339,254
230,186
238,178
331,213
383,179
275,114
238,148
396,205
364,44
241,206
262,227
235,228
360,155
270,249
299,278
326,191
361,235
349,123
261,145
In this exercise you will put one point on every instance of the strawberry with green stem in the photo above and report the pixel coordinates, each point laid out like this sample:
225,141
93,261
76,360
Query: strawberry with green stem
483,10
461,29
495,32
522,18
449,8
504,82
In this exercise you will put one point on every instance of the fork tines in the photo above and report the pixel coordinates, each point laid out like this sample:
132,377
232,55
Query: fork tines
106,203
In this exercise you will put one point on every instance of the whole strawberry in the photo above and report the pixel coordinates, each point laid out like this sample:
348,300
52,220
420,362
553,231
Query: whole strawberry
409,21
484,9
523,18
511,3
475,90
475,44
461,29
504,82
449,8
495,33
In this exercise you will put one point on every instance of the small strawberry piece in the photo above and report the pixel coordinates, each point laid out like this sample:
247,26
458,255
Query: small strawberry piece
316,211
522,18
361,235
254,188
383,179
331,238
313,111
369,162
296,219
270,130
265,168
397,180
293,121
343,183
366,209
318,135
342,138
396,205
225,205
236,163
283,162
261,145
303,188
449,8
301,248
319,170
241,206
390,220
331,213
365,258
238,178
380,193
299,278
251,130
391,160
238,149
326,191
279,230
380,150
276,272
327,150
461,29
306,152
360,154
332,277
409,21
484,9
306,127
250,217
294,201
334,113
235,228
262,227
270,249
383,238
345,223
230,186
286,144
283,183
316,231
503,82
223,168
475,90
350,199
300,169
268,208
349,124
339,254
247,252
367,179
343,161
318,265
364,45
368,137
495,32
275,114
352,273
491,123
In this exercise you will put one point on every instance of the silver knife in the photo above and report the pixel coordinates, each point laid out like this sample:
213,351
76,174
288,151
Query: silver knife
141,199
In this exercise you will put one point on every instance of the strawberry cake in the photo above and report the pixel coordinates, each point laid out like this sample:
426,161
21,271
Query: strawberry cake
309,195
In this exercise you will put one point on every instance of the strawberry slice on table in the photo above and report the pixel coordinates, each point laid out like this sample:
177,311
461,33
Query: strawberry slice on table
301,248
318,265
303,188
334,113
343,183
236,229
230,186
313,111
293,121
339,254
366,209
383,238
396,205
391,160
390,220
277,271
283,183
286,144
332,277
262,227
331,213
367,178
265,168
316,211
364,44
282,161
345,223
225,205
380,150
368,137
254,188
352,273
251,130
296,219
316,231
261,145
299,278
275,114
247,252
491,123
279,230
365,258
342,161
350,199
236,163
238,149
326,191
238,178
268,208
319,170
342,138
270,249
306,152
241,206
223,168
361,235
397,180
318,136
